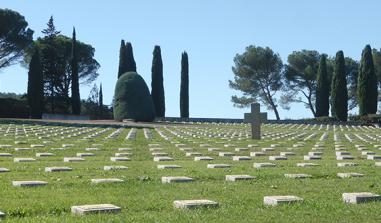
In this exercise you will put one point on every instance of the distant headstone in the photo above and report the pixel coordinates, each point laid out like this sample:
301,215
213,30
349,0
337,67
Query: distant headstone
255,118
191,204
95,208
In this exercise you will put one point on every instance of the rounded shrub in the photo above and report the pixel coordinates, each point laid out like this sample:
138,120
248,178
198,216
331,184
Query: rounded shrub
132,99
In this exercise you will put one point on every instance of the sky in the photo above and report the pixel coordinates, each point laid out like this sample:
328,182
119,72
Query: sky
211,31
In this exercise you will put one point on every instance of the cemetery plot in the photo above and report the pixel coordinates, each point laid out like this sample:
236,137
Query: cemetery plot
52,173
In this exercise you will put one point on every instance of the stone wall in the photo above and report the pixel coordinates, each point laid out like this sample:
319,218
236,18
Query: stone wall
237,120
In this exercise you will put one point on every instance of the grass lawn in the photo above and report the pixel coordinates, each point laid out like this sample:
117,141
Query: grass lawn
143,198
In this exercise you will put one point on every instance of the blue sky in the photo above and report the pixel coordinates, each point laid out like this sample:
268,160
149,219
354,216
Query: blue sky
211,31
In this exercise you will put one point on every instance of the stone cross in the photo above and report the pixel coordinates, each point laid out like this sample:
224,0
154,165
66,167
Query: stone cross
255,118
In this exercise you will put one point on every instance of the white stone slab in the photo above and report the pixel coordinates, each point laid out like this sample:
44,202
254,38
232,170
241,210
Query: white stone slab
347,164
217,166
365,153
2,214
73,159
256,154
297,175
44,154
342,153
241,149
347,175
361,197
241,158
4,170
314,153
287,154
85,154
268,149
162,158
238,177
58,169
159,154
306,164
277,158
92,149
224,154
345,157
180,179
191,204
22,149
374,157
277,200
23,160
193,154
214,149
37,145
5,155
262,165
106,180
29,183
109,168
168,166
95,209
119,159
203,158
312,157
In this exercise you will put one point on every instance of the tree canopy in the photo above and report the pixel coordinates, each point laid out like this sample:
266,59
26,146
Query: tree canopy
15,37
301,74
258,75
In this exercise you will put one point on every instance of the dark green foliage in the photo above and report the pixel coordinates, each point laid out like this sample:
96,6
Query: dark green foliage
130,61
14,37
100,101
367,84
14,108
322,89
122,59
184,86
339,91
157,88
300,74
75,97
377,64
132,99
258,75
56,58
351,72
35,92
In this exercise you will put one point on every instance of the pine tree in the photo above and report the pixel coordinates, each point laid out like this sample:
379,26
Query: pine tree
122,59
367,84
130,61
184,86
75,97
50,31
157,88
100,101
322,89
339,91
35,92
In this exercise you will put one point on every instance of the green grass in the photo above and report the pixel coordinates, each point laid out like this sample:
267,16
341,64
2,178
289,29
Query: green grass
143,198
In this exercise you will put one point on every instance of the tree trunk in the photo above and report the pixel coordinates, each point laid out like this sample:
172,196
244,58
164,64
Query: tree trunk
311,106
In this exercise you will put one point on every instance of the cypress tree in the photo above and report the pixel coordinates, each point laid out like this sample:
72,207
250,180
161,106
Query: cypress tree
122,59
75,97
35,92
367,84
100,101
322,89
184,86
157,88
130,61
339,91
